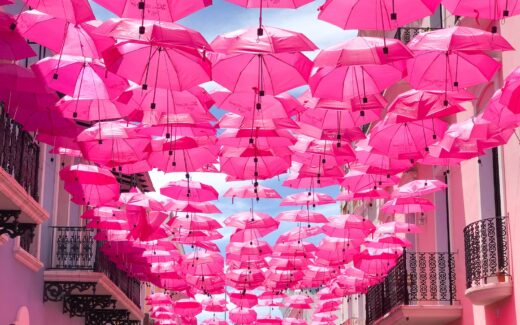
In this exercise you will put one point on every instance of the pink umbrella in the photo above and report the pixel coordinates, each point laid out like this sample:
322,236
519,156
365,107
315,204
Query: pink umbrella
68,38
377,264
294,321
272,40
235,121
419,188
74,11
378,163
280,106
307,198
112,143
270,3
162,66
194,222
215,304
91,109
242,316
375,14
459,38
494,10
214,321
79,77
154,9
375,101
422,104
267,164
13,46
299,233
190,190
243,300
407,205
299,301
354,81
251,220
395,227
406,140
358,179
434,70
250,191
266,73
196,207
362,51
269,320
187,307
301,216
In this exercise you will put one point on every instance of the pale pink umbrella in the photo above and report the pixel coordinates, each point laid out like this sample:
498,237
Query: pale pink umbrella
459,38
13,46
324,317
361,51
79,77
250,191
351,222
354,81
408,140
280,106
299,233
375,14
395,227
299,301
136,198
307,198
189,190
294,249
265,73
301,216
272,40
442,70
422,104
419,188
378,163
68,38
158,10
242,316
74,11
160,66
294,321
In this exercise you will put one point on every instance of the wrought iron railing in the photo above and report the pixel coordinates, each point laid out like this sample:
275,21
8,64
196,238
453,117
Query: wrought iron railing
19,153
406,34
486,251
418,277
74,248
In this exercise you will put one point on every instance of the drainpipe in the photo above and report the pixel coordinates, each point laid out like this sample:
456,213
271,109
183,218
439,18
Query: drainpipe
498,212
450,266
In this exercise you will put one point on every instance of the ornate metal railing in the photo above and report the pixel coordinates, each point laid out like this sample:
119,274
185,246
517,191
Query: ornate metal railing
19,153
486,251
74,248
406,34
417,277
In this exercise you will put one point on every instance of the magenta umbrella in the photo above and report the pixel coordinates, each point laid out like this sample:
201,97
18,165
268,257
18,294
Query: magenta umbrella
158,10
79,77
488,9
408,140
187,307
459,38
251,191
74,11
160,66
214,321
273,40
306,199
419,188
421,104
190,190
375,14
243,300
363,50
241,316
280,106
434,70
13,46
68,38
354,81
407,205
265,73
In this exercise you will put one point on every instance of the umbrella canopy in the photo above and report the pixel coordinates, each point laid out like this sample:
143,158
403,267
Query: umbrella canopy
419,188
76,12
190,191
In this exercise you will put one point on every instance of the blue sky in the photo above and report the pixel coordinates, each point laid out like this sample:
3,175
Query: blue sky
224,17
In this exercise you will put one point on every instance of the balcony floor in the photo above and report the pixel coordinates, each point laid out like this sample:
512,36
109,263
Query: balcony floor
489,293
421,315
104,287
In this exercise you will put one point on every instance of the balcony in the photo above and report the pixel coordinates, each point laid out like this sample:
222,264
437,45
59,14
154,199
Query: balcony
488,278
420,289
87,282
20,211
